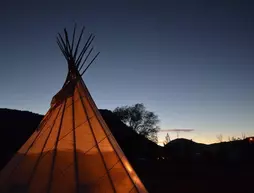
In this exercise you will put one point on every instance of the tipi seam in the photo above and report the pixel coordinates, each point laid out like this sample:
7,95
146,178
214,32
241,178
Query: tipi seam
40,156
55,151
96,144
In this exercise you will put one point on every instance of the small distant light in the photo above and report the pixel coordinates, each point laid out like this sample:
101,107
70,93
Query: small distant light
251,139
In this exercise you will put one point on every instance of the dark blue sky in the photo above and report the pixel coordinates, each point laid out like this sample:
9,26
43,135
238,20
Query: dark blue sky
191,62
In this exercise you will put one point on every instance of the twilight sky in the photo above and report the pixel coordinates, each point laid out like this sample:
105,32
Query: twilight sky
191,62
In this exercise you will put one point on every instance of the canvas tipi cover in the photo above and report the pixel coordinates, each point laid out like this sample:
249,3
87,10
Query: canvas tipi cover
73,150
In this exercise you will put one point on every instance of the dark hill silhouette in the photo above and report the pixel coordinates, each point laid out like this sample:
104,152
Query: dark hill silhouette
184,142
16,127
224,152
184,149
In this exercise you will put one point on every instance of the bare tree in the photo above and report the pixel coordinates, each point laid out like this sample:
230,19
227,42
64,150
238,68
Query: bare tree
243,136
167,139
233,138
219,138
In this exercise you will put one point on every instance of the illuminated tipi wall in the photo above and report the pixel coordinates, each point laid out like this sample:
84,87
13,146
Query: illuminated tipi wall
72,151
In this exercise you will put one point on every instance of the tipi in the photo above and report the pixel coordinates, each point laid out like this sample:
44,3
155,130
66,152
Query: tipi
73,150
